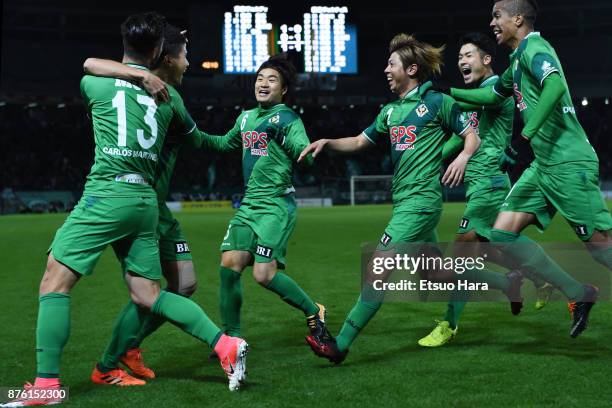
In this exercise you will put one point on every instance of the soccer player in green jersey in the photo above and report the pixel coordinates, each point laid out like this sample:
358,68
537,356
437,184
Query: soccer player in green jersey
417,124
175,255
564,176
119,208
486,184
270,137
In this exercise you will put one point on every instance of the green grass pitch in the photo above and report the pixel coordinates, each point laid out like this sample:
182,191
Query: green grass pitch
496,360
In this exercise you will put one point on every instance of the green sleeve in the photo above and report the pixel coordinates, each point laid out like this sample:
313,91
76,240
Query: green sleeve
480,96
468,107
504,86
453,120
552,91
184,122
378,130
230,141
293,139
452,147
541,65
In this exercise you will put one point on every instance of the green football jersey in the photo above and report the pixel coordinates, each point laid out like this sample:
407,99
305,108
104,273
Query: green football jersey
494,126
417,126
129,132
561,139
182,132
271,139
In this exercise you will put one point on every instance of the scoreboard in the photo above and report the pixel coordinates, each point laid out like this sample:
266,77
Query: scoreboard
323,38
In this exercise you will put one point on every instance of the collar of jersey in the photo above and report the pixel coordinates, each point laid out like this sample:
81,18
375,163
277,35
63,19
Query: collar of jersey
418,91
137,66
271,108
531,34
488,80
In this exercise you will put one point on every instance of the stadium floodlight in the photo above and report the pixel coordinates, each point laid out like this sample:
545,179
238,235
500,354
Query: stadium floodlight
371,189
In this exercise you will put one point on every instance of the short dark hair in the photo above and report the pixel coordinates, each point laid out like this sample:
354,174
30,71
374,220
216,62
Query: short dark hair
174,41
142,33
526,8
281,64
483,42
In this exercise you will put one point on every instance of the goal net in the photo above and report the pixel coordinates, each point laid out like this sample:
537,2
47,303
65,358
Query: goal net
370,189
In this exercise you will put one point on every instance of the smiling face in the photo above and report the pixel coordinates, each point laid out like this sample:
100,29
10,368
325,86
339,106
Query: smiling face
269,89
503,23
472,64
397,76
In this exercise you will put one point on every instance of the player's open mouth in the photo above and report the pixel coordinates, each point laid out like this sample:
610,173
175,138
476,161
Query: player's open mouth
497,34
263,92
466,71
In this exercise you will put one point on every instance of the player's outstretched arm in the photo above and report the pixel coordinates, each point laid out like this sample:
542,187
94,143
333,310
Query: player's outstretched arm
113,69
343,145
481,96
455,171
552,92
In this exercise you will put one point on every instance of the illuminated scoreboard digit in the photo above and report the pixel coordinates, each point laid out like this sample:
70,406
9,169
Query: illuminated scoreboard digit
245,39
327,43
330,45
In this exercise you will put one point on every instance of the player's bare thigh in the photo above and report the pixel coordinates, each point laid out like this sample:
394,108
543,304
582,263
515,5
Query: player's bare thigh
263,272
58,278
599,240
512,221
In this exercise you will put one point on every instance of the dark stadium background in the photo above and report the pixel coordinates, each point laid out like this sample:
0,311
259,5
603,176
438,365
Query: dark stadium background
45,138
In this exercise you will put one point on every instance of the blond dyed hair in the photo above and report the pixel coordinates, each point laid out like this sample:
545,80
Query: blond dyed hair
428,58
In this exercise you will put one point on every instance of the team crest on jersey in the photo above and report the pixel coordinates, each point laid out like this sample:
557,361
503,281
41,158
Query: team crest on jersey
275,119
422,110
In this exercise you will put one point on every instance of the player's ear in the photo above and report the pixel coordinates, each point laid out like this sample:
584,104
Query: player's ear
285,89
168,60
412,70
487,60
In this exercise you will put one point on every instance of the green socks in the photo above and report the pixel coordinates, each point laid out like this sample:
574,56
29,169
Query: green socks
52,331
364,310
603,256
125,332
230,300
188,316
533,257
453,311
292,294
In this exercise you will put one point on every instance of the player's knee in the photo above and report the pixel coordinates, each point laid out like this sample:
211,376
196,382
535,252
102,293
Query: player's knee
263,273
187,288
469,236
234,260
57,278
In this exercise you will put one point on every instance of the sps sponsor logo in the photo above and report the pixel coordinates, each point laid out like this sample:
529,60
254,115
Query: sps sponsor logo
403,137
257,142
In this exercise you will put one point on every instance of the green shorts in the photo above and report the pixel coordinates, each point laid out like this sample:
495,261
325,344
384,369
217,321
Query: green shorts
570,188
126,223
262,227
172,243
408,225
485,196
